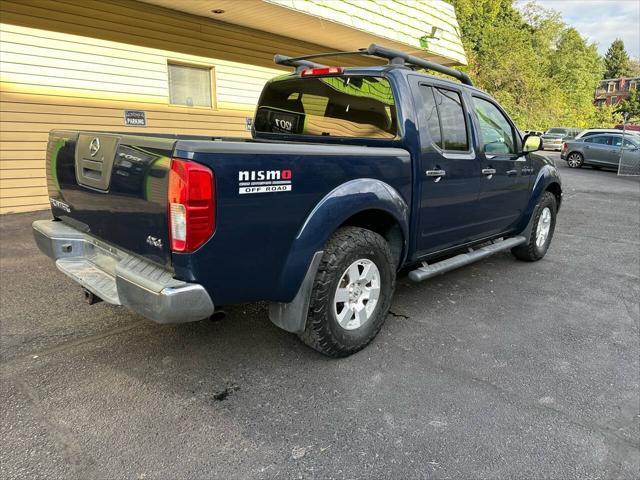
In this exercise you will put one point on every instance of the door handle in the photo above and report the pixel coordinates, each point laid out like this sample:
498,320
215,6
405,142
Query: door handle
488,171
438,174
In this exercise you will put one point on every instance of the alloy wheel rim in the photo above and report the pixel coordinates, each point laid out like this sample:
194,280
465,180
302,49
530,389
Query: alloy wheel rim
574,160
544,226
357,294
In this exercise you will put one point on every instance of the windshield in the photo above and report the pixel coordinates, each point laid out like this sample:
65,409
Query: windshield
346,106
562,131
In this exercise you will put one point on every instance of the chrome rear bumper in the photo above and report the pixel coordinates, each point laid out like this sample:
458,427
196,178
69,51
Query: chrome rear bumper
120,278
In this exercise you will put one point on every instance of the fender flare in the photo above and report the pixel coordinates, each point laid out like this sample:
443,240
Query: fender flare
547,176
344,201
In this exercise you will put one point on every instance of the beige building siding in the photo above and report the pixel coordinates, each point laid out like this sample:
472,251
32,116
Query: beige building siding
79,64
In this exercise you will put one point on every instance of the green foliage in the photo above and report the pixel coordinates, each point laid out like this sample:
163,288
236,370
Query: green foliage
630,107
543,72
616,61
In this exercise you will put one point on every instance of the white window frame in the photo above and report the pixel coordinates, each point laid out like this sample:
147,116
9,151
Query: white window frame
212,83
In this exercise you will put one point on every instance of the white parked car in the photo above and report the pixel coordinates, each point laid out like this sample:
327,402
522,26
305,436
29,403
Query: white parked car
600,131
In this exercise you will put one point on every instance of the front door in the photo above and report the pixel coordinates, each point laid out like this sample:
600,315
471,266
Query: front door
449,173
504,183
615,151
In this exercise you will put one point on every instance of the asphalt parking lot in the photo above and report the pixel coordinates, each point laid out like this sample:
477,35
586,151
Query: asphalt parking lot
501,369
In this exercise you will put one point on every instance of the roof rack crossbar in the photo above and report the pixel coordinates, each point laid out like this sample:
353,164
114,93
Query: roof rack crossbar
397,57
298,63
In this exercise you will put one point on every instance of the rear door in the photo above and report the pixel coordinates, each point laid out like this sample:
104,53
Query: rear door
504,183
449,173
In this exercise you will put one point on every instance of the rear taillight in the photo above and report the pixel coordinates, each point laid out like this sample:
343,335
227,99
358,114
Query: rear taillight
192,205
321,71
564,146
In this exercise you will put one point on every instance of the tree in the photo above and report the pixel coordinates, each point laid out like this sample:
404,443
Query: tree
576,69
630,107
543,72
616,61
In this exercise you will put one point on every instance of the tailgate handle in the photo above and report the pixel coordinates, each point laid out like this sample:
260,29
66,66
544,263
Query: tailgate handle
94,157
92,169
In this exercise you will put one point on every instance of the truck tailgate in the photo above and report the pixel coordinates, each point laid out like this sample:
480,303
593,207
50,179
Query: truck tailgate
113,187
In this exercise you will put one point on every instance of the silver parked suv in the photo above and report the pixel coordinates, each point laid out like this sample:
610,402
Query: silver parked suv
553,138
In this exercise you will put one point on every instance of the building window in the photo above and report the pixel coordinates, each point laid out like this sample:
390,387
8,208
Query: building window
614,100
611,87
632,85
190,85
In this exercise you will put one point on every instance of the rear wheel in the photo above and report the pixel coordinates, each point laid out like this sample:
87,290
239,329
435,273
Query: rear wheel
544,222
575,160
351,294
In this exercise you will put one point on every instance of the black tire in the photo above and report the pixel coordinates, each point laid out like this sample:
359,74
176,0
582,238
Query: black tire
575,160
346,246
530,251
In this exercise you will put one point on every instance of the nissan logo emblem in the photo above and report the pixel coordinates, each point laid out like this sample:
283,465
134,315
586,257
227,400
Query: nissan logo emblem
94,146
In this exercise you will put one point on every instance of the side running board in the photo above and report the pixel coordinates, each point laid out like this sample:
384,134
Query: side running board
438,268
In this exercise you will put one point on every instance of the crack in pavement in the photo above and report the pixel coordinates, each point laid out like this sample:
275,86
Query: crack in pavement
607,432
82,464
398,315
70,344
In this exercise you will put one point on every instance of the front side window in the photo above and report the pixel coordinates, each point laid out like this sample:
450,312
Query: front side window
496,133
617,142
190,85
345,106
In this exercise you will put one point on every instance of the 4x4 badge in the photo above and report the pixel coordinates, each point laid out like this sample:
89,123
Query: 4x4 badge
94,146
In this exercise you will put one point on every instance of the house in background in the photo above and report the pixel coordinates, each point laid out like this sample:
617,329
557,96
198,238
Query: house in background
612,91
167,66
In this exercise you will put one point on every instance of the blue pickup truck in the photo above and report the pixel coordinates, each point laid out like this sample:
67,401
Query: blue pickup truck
351,174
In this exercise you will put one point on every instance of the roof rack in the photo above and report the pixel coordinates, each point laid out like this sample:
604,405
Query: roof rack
395,57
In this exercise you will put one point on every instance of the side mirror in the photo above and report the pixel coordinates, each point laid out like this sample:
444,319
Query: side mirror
532,143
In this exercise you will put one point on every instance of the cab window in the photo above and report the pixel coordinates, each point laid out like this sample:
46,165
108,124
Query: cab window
496,133
344,106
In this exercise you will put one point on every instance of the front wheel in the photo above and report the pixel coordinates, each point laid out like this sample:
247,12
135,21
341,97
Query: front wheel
544,222
351,293
575,160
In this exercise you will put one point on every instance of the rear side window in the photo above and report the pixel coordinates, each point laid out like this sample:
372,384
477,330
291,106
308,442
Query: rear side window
328,106
445,119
